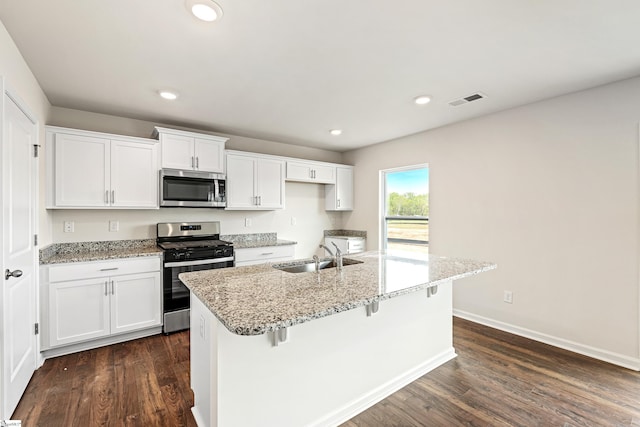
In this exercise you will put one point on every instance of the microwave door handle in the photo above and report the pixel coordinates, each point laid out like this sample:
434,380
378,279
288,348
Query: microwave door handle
216,190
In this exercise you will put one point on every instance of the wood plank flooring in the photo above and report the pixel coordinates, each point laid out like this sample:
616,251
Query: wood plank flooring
498,379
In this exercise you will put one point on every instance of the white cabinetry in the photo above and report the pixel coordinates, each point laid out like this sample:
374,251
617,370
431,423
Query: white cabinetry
250,256
95,170
191,151
254,181
311,172
86,301
339,197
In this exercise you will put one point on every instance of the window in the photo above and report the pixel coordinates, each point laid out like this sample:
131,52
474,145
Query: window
405,209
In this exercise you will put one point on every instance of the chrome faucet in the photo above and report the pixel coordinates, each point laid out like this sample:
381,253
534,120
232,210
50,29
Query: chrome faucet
317,261
327,249
338,256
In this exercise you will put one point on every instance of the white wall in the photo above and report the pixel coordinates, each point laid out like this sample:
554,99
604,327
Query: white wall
21,81
304,202
549,191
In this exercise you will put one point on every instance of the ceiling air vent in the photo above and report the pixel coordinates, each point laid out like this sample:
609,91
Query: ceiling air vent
467,99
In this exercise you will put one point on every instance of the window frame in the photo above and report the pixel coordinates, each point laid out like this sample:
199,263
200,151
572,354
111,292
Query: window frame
382,199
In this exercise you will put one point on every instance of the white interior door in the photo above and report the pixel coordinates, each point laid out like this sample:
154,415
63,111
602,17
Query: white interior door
19,202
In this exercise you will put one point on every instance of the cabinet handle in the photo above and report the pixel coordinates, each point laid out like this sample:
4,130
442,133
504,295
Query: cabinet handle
197,162
106,288
113,196
338,202
266,253
113,289
106,197
259,200
192,162
314,174
109,269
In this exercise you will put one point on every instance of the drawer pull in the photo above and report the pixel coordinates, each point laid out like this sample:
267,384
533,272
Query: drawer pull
109,269
266,253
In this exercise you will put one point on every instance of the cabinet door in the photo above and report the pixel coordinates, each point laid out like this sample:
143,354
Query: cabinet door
209,155
270,183
78,311
81,171
324,174
310,172
344,189
135,302
297,171
134,175
240,182
177,152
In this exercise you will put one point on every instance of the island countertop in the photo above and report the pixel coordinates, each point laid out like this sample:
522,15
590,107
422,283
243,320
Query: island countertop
257,299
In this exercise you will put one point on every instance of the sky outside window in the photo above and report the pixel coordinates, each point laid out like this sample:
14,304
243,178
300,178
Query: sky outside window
411,181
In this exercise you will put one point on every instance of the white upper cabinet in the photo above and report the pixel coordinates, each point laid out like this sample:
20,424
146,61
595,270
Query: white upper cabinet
339,197
134,175
254,181
191,151
95,170
311,172
82,170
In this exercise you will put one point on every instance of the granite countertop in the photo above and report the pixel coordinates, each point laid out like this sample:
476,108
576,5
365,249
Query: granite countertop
255,240
59,253
257,299
263,243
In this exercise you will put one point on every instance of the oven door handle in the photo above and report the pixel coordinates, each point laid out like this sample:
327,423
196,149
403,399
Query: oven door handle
198,262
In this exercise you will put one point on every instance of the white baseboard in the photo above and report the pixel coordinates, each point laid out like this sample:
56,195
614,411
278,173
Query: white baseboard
358,405
596,353
198,417
101,342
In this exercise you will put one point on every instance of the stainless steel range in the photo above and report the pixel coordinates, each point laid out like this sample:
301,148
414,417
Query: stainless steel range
188,246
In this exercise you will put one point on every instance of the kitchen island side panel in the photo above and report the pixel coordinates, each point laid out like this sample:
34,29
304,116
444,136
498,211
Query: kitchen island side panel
327,371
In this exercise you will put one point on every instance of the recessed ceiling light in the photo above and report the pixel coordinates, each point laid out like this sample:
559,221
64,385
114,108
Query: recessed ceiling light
335,132
422,99
168,95
205,10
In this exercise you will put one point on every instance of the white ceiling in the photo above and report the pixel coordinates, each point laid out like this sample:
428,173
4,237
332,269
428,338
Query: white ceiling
291,70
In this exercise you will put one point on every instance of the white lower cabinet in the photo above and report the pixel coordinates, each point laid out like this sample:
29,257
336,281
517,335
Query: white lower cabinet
122,296
251,256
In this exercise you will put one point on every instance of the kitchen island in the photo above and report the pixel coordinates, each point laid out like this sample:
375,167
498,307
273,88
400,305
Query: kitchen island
270,347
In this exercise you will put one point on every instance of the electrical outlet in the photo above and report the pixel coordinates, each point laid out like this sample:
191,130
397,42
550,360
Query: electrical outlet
247,222
508,297
293,220
114,225
69,227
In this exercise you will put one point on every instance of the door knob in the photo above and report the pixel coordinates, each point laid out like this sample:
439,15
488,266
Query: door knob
14,273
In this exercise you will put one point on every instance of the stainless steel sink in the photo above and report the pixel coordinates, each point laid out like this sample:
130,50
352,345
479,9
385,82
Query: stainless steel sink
309,266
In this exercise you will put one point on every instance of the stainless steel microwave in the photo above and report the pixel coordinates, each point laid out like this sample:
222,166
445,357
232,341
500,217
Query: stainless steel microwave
192,189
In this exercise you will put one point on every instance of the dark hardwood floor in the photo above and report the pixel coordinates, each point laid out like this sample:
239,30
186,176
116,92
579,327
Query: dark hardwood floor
498,379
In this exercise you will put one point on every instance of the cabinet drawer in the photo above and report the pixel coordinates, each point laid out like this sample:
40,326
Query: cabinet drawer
355,246
113,267
264,254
